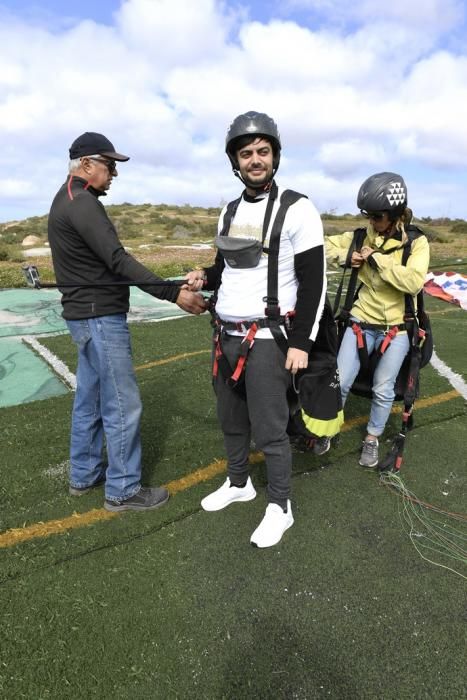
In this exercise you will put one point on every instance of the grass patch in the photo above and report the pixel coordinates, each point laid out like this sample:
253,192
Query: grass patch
176,604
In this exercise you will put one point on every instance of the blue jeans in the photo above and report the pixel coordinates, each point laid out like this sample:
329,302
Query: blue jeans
107,402
385,375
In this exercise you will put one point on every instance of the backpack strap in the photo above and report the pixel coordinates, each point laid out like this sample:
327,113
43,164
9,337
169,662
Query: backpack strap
288,198
229,214
410,315
356,244
272,310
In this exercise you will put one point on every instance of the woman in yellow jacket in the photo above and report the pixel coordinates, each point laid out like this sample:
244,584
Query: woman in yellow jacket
380,303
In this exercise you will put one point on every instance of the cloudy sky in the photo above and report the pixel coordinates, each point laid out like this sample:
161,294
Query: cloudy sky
355,88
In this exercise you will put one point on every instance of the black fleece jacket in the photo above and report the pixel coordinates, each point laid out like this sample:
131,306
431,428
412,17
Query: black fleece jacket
86,249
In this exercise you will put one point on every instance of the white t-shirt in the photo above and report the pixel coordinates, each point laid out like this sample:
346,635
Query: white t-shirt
241,293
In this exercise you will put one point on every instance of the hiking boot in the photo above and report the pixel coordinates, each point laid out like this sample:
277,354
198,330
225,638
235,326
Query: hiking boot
275,522
369,455
227,494
321,446
80,491
145,499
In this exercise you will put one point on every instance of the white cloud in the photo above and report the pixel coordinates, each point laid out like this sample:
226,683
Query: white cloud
342,158
417,15
164,82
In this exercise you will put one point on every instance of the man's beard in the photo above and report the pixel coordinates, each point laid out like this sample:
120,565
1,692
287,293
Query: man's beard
258,184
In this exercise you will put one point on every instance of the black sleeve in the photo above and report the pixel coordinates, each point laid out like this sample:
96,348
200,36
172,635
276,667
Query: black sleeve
129,268
309,270
90,220
214,273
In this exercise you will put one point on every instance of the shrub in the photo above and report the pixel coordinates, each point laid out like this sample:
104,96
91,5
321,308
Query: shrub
459,227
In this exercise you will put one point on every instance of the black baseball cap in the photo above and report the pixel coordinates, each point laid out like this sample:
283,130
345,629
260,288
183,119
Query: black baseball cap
90,143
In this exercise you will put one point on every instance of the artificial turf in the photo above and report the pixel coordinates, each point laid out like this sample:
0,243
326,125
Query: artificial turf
176,604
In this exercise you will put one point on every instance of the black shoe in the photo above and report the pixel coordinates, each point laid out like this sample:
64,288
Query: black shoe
76,491
145,499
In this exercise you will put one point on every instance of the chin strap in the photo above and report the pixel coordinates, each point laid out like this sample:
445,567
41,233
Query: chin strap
257,190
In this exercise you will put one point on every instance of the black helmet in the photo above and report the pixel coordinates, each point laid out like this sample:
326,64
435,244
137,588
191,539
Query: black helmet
383,192
253,124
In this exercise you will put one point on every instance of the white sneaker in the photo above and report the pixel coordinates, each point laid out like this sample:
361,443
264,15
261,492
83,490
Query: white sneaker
227,494
275,522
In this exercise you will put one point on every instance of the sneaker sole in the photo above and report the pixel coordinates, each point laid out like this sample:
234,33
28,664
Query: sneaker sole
369,466
115,508
242,499
320,454
273,544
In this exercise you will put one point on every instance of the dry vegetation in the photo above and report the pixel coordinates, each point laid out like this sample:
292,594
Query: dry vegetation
162,237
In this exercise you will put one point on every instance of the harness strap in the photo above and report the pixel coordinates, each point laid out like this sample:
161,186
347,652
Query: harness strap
358,328
388,338
273,319
361,343
377,326
357,242
247,344
244,326
272,309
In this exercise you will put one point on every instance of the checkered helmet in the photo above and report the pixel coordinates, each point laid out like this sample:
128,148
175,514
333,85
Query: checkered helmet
383,192
253,124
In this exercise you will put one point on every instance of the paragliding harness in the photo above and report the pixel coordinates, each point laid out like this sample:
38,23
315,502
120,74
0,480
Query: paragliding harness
308,416
418,327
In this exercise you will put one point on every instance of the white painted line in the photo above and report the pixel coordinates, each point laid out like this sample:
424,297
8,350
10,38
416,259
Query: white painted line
158,320
57,365
454,379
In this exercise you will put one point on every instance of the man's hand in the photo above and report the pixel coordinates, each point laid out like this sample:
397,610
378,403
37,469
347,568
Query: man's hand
296,359
195,280
192,302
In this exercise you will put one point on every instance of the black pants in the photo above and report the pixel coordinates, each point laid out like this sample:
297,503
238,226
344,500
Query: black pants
264,415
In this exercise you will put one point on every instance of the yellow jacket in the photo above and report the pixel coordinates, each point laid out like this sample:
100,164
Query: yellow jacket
381,296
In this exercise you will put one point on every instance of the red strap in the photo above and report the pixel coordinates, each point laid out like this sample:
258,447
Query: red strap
390,335
357,329
247,344
217,355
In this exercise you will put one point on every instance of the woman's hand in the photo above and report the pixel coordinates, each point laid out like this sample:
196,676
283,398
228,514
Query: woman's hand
366,251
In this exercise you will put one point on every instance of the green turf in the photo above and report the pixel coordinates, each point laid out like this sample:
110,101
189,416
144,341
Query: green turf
176,604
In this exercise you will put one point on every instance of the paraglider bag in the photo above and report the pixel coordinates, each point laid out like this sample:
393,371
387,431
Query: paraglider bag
426,348
316,402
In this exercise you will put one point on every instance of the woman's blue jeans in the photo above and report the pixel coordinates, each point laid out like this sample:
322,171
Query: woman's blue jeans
107,402
385,375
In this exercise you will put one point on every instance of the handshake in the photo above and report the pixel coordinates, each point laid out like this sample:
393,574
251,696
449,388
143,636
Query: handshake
189,299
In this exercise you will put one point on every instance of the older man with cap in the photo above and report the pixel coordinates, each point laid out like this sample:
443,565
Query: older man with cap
86,251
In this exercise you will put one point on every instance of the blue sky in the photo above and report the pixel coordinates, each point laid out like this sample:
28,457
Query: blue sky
355,89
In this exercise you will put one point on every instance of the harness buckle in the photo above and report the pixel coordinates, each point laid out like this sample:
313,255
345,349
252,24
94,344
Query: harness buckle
272,309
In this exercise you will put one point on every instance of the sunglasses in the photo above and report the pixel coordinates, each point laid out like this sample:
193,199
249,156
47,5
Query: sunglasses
375,215
111,165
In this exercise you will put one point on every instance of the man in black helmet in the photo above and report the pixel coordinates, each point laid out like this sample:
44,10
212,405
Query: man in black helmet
86,251
258,347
